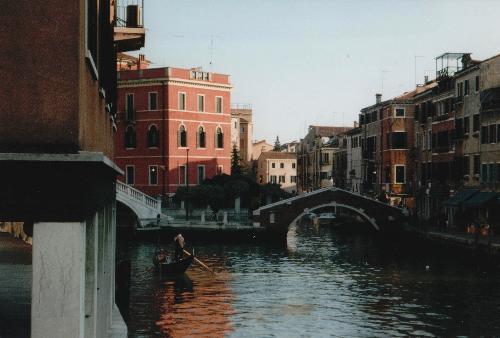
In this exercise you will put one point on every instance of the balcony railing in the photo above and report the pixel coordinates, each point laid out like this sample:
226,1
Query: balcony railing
129,32
129,13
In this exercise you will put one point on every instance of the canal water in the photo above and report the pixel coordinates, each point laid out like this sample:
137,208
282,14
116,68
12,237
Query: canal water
321,284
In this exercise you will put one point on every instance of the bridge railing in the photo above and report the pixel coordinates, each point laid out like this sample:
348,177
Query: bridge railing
138,196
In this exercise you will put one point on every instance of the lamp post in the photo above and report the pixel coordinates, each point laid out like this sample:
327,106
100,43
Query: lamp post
187,184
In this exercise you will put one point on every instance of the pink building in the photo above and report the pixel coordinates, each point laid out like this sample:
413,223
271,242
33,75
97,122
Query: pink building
173,124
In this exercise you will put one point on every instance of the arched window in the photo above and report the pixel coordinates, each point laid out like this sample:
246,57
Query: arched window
130,137
182,136
153,136
219,138
201,137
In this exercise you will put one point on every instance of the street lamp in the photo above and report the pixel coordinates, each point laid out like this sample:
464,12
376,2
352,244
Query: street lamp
187,184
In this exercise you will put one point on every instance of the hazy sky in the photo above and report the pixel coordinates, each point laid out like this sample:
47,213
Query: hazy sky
316,61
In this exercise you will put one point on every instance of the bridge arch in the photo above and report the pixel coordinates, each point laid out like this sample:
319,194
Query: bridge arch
124,212
335,204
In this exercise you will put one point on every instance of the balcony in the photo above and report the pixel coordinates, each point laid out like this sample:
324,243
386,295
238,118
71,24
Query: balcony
129,31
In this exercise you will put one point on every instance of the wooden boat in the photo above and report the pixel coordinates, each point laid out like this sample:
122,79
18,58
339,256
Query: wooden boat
171,268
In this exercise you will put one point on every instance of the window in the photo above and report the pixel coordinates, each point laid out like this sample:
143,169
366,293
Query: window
201,137
459,127
130,141
323,175
466,166
475,122
272,178
201,103
282,179
201,174
182,136
182,175
129,107
293,165
219,169
273,165
397,140
492,172
242,129
477,83
153,100
466,125
153,175
484,172
466,87
235,125
130,174
400,112
293,179
492,133
460,89
182,101
91,34
282,165
153,136
325,158
400,174
218,104
219,138
477,164
484,134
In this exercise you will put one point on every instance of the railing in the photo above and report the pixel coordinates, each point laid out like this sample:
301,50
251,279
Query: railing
137,195
129,13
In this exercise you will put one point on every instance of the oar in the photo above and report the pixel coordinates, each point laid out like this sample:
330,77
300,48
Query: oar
199,262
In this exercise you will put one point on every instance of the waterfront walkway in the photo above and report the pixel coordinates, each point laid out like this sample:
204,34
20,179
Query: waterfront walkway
460,237
15,286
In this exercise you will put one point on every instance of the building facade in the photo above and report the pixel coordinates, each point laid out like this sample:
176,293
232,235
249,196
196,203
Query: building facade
354,160
279,168
242,130
173,128
56,136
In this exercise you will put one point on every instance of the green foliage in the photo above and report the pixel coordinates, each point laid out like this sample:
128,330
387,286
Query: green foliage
235,161
277,144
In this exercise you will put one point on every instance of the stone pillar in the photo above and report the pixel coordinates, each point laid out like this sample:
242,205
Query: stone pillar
225,218
203,217
57,306
91,278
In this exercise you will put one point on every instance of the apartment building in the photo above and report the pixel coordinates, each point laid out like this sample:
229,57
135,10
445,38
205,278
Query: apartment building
354,160
242,130
173,127
279,168
315,155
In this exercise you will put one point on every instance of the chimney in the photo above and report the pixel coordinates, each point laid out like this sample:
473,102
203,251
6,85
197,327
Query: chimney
356,124
378,98
426,79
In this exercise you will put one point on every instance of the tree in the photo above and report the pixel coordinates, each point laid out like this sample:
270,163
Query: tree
235,161
277,144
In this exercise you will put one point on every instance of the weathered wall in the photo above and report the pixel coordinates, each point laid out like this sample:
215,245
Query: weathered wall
48,100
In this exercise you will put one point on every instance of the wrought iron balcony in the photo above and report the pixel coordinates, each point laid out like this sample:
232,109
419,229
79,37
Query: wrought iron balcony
129,32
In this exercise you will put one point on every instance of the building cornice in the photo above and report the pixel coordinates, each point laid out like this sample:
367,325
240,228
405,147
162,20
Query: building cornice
174,82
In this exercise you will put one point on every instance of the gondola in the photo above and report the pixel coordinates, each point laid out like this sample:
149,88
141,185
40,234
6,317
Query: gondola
171,268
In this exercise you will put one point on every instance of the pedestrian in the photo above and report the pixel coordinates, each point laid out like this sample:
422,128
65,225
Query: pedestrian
179,247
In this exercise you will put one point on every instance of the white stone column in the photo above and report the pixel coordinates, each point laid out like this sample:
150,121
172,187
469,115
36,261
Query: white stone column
57,305
91,278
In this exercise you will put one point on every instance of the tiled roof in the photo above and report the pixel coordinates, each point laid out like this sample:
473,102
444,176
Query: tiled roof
276,155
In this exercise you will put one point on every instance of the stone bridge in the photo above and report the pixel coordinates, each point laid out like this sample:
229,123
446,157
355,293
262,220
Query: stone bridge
277,217
145,207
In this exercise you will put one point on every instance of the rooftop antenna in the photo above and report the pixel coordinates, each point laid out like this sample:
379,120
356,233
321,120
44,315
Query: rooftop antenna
211,51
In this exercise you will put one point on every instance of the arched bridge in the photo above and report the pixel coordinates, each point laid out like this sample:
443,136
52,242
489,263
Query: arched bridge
277,217
145,207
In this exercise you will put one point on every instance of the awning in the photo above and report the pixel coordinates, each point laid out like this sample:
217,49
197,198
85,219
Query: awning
480,199
460,197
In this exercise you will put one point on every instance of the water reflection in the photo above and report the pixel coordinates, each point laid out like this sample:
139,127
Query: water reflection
322,284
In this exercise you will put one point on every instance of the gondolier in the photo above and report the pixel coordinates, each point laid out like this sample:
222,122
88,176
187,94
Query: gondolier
179,247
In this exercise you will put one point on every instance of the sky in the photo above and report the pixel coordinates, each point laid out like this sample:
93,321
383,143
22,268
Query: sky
307,62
